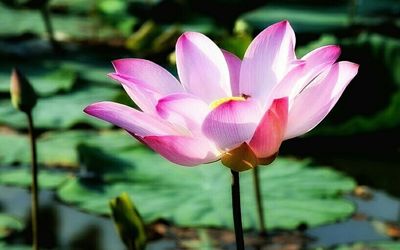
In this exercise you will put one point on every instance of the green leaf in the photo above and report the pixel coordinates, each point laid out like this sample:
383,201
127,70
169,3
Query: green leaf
236,44
293,192
21,177
46,78
304,19
314,18
65,26
322,41
74,6
5,246
202,24
128,222
9,225
60,148
60,111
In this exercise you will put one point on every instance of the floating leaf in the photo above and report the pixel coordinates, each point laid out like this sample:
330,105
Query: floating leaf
236,44
294,193
65,26
304,19
5,246
313,18
46,79
322,41
74,6
60,111
9,224
60,148
21,177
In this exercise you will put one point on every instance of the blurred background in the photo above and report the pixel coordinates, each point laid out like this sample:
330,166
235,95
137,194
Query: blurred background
335,188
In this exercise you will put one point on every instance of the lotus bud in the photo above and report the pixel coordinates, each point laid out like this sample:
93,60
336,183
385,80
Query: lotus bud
128,222
23,96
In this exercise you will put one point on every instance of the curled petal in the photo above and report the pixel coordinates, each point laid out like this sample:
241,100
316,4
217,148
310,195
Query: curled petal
132,120
266,61
269,133
183,150
308,68
312,104
148,74
144,97
234,71
202,68
316,61
232,123
184,109
285,86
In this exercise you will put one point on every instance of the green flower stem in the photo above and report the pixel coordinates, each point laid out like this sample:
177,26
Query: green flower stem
237,214
259,202
34,189
44,11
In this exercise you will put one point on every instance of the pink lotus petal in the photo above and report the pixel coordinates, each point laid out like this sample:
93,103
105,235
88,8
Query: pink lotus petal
285,86
266,61
184,109
269,133
322,56
144,97
202,68
183,150
132,120
312,105
148,74
232,123
316,61
305,71
234,71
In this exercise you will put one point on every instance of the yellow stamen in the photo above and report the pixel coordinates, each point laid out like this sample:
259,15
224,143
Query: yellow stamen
223,100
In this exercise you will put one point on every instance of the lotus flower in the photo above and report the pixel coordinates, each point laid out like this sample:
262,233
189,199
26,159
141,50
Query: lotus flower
225,108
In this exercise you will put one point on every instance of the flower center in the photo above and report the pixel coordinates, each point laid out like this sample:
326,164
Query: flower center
223,100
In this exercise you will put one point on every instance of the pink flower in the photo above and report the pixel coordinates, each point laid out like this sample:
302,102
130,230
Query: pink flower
224,107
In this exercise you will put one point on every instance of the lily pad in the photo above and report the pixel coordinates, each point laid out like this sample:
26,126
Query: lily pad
21,177
45,79
53,74
74,6
60,111
65,26
5,246
9,224
304,19
307,18
293,192
60,148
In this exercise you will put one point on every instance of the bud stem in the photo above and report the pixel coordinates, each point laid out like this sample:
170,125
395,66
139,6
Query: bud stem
34,188
260,209
237,214
44,11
